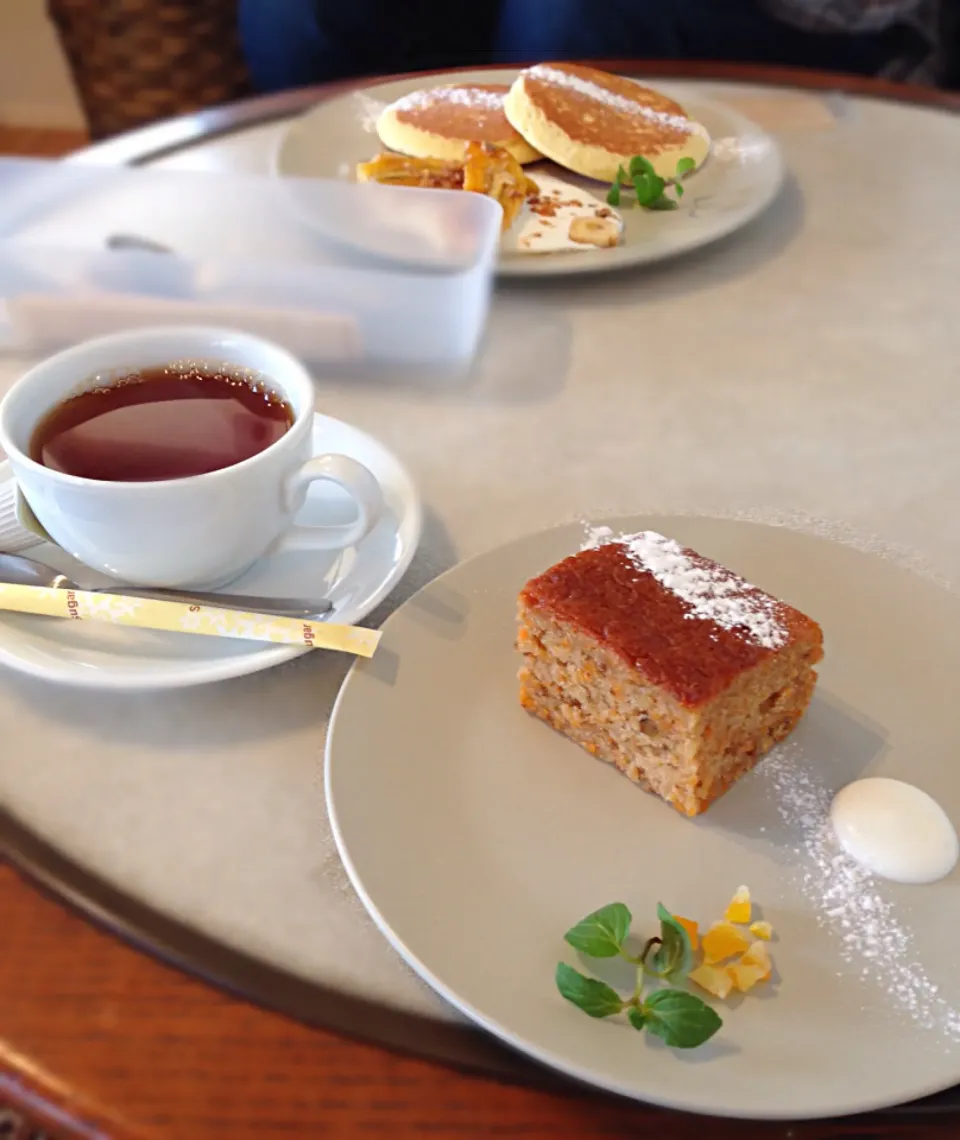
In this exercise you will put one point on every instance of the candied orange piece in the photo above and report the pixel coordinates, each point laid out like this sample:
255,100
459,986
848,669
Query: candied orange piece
757,954
723,940
715,980
754,966
745,977
761,930
739,907
692,929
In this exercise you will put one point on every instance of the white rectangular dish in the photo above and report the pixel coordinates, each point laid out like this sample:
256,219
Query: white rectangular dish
88,250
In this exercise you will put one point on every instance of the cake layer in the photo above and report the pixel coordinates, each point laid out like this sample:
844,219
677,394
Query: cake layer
664,663
684,622
688,757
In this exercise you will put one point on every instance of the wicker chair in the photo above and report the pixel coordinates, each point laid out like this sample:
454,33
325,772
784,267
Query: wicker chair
137,61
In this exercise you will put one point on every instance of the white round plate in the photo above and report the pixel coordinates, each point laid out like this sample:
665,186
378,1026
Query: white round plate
355,580
476,836
740,179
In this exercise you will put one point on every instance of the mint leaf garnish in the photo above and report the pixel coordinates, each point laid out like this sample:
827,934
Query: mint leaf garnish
613,194
682,1020
601,934
596,999
673,958
637,1018
640,165
649,187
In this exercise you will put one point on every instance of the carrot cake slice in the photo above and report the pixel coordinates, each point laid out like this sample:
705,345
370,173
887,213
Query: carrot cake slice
664,663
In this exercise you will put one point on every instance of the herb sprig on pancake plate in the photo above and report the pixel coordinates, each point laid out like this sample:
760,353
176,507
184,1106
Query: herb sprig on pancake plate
650,189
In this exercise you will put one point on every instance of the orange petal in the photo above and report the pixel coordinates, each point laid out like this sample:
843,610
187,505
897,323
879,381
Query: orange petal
692,929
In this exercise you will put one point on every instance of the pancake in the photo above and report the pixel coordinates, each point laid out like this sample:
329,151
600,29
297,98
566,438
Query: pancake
439,121
591,122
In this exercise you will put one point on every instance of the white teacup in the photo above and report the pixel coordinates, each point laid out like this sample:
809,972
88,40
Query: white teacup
202,531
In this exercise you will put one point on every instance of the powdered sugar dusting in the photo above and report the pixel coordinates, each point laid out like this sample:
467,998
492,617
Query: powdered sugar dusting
612,99
473,97
845,532
368,112
848,901
711,592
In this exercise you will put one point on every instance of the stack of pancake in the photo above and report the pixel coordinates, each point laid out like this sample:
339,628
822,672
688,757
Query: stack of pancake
583,119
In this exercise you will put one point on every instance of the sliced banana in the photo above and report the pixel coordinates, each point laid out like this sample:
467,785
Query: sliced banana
601,232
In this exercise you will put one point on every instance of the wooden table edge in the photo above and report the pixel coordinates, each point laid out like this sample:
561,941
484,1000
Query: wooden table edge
25,1082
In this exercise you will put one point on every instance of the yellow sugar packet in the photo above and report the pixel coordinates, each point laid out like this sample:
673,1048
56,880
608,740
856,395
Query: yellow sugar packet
180,617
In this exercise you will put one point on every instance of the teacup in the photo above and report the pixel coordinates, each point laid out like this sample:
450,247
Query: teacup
201,531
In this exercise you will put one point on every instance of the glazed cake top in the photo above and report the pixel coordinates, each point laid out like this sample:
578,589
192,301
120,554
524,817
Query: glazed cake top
689,625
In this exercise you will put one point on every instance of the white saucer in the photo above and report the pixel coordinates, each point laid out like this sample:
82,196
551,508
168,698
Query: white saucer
356,580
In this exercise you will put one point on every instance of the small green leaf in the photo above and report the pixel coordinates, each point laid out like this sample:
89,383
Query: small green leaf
674,956
679,189
641,165
595,998
641,187
684,166
682,1020
663,203
601,934
649,188
637,1018
613,194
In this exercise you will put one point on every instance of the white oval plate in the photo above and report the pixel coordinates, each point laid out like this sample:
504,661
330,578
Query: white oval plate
740,179
355,580
476,836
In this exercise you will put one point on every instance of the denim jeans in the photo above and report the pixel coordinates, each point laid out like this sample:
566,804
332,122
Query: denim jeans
291,43
737,31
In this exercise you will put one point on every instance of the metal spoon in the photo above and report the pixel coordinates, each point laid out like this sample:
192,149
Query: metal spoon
19,571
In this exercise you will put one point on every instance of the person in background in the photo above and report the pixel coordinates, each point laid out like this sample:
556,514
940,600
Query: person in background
293,43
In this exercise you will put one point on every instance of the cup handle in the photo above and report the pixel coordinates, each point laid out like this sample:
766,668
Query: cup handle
359,484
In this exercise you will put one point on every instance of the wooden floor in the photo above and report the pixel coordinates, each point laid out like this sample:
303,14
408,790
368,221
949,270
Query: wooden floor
39,141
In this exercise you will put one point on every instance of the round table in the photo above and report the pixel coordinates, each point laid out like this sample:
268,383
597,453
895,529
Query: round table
100,1039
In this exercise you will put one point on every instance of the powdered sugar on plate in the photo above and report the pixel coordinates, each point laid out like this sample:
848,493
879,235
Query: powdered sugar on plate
711,592
848,901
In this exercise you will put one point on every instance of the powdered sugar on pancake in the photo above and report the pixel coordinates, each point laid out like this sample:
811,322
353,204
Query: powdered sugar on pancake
612,99
474,97
711,592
